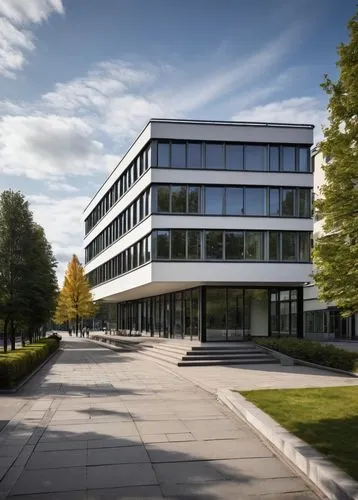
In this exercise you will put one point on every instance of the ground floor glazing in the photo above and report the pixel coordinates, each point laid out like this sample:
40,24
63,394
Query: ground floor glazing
209,313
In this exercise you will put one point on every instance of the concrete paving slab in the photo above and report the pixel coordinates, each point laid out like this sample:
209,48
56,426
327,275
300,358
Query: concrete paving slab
57,459
123,455
50,481
112,476
73,495
136,492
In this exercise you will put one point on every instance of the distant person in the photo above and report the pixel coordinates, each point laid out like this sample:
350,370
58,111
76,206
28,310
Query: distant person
83,332
70,332
87,332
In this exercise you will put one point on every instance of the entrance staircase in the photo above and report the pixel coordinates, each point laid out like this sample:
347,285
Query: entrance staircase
192,353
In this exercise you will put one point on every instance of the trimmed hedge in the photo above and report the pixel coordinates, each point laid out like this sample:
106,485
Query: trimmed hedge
314,352
16,365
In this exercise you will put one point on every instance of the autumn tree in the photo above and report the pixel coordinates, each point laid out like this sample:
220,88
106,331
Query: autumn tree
336,251
75,300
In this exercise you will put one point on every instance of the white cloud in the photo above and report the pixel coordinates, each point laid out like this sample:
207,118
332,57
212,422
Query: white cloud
62,186
15,40
45,147
306,110
63,224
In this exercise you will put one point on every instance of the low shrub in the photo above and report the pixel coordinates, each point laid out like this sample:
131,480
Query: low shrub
314,352
16,365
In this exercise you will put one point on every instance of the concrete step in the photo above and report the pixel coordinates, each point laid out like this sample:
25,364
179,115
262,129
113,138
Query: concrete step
258,356
172,349
151,353
225,347
210,352
220,362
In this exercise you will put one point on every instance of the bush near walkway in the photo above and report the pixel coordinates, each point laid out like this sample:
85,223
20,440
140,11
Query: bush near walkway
16,365
314,352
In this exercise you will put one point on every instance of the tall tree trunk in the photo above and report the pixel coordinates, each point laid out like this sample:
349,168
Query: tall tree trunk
29,334
6,322
77,325
12,335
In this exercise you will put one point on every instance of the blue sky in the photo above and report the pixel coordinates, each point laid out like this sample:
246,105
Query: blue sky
80,78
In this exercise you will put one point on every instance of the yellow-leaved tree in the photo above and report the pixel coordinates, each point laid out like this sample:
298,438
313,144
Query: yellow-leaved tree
75,299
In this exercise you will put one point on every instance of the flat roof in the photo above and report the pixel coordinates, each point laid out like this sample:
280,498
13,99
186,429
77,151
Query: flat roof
199,122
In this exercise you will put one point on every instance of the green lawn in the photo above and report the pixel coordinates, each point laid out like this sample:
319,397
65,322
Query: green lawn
326,418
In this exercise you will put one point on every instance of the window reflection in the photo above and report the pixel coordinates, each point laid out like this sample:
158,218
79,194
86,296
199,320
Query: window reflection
274,201
163,198
254,245
274,158
194,199
178,159
214,200
289,245
254,158
162,244
163,154
214,245
178,243
288,159
194,155
274,245
194,244
255,201
288,202
234,157
214,155
234,245
234,201
303,160
179,199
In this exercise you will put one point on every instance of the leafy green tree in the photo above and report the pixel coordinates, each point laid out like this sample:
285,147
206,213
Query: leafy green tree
15,230
336,251
75,300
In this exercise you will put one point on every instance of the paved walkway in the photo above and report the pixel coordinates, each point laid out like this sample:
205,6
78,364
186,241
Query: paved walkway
95,424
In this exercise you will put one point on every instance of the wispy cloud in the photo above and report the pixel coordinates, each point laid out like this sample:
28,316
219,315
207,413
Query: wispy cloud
16,39
295,110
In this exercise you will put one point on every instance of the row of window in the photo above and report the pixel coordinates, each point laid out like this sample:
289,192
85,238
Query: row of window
137,168
134,256
231,156
197,244
123,223
240,201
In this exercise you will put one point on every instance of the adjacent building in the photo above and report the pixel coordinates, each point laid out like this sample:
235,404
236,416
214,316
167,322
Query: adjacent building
204,231
322,320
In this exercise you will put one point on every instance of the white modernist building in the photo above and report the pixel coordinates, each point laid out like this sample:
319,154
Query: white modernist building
322,320
204,230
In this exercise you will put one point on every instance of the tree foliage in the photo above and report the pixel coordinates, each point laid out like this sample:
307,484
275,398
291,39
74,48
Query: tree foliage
336,251
75,300
28,281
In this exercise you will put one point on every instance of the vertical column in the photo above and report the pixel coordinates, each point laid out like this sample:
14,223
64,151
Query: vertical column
300,312
202,309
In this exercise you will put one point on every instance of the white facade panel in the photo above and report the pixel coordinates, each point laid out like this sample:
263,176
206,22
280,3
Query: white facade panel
138,278
120,206
232,132
126,241
228,222
231,272
187,176
134,150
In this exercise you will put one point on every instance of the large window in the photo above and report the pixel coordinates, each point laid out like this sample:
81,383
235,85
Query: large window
288,159
274,201
179,199
254,248
194,199
289,245
234,157
163,244
274,158
234,245
194,155
214,245
304,247
163,198
194,244
214,200
254,157
288,202
163,154
178,243
304,160
274,245
304,203
234,201
255,201
178,159
214,155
